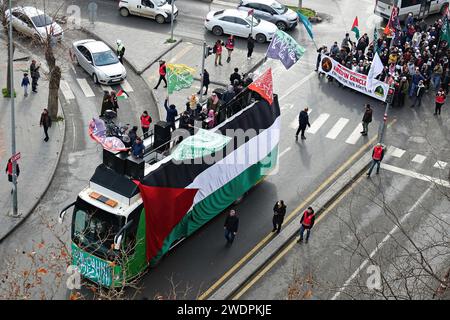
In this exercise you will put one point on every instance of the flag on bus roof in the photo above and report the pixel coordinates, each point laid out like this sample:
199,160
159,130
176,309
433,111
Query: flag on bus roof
284,48
179,76
306,23
355,27
264,86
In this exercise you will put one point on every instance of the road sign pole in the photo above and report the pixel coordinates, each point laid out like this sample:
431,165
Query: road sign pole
13,119
171,22
203,71
383,128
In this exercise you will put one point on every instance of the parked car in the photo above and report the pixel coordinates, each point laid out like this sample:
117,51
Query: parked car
238,23
272,11
160,10
34,23
99,61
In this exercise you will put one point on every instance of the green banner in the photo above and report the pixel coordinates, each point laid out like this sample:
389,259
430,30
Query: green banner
179,76
92,267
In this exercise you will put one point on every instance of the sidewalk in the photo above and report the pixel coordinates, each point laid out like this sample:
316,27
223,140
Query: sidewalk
38,159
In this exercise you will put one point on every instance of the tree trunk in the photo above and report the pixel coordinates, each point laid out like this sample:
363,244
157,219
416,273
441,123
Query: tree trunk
54,81
300,3
8,73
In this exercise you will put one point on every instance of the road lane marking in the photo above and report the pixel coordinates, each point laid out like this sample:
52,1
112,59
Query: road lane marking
67,92
294,124
293,242
396,152
440,164
106,88
356,134
381,244
225,4
318,123
285,151
416,175
418,158
126,86
297,85
301,206
337,128
85,87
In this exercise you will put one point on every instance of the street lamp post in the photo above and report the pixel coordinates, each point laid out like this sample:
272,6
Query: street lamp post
13,119
171,22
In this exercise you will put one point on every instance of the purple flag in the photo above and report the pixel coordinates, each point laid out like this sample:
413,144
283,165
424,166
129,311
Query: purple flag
284,48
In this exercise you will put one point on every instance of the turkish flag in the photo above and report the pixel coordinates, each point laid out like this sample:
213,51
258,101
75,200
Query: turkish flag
250,12
264,86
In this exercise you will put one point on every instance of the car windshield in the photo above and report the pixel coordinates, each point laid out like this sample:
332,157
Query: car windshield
42,20
159,3
256,21
93,229
105,58
279,8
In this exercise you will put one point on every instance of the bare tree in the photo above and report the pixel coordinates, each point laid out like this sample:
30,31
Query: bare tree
5,26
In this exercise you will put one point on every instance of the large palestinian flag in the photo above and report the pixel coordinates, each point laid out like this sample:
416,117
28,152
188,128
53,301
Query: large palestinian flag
197,182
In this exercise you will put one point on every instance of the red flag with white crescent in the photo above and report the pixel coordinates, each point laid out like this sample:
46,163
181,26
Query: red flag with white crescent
264,86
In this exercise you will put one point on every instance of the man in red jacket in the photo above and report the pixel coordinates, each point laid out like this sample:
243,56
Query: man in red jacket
162,74
307,222
145,123
9,171
377,156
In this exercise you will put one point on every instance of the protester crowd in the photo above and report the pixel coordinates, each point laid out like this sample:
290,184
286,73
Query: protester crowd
415,62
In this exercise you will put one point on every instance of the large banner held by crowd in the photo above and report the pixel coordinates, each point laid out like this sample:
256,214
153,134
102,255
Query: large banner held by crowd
356,81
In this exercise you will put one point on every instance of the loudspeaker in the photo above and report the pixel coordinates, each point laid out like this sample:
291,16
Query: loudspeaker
115,160
162,130
135,167
159,143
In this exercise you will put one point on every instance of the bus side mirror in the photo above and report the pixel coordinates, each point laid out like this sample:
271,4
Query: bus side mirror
63,213
117,242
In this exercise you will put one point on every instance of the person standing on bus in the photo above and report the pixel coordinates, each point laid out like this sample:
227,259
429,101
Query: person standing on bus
145,123
231,227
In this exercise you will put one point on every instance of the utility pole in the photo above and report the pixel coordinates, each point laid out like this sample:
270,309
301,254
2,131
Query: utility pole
203,71
171,23
13,119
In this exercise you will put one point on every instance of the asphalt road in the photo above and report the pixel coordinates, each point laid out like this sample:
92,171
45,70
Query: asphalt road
202,259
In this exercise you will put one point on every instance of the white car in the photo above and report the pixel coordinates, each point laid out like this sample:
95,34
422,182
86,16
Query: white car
99,61
160,10
238,23
34,23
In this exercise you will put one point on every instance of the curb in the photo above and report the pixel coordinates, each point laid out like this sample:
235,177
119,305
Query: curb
277,243
135,69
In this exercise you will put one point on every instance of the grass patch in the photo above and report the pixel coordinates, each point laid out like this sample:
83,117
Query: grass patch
171,40
6,94
309,13
59,118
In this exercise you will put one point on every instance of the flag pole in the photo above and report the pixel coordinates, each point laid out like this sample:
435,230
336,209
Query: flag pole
251,27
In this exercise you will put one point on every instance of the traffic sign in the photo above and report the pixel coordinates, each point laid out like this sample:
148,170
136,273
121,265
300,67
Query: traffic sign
15,157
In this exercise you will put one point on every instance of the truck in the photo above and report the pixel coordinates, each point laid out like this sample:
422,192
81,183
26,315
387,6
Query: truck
133,211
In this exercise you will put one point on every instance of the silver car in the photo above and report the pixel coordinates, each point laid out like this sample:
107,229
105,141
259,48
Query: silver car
99,61
272,11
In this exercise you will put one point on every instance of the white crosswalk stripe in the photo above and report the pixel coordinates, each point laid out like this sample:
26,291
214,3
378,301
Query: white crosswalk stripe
126,86
418,158
337,128
294,124
106,88
355,135
396,152
440,164
315,126
67,92
85,88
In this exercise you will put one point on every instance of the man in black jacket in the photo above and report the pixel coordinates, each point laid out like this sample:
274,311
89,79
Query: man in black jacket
231,227
206,82
279,210
367,118
235,75
303,121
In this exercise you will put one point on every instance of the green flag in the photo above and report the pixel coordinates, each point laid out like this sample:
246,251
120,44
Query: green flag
445,32
355,28
179,76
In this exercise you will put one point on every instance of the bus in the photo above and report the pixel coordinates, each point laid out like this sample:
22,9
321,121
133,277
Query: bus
419,8
134,211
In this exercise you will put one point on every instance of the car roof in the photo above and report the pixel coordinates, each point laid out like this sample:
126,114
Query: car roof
234,13
96,46
268,2
29,11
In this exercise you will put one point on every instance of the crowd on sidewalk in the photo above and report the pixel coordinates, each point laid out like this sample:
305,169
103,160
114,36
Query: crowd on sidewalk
415,62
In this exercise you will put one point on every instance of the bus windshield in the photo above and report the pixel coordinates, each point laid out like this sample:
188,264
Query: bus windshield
93,229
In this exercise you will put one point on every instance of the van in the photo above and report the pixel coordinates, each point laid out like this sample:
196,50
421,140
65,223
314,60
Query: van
419,8
159,10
